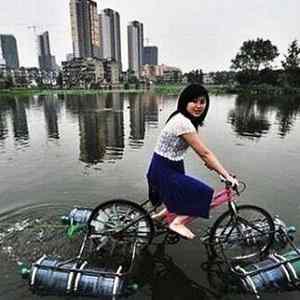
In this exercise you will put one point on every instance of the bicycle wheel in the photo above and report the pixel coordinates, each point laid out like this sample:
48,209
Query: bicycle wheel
120,221
247,234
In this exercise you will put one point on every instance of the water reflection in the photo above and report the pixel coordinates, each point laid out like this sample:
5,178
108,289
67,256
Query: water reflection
252,116
101,126
52,107
103,121
166,279
248,118
137,120
19,117
288,109
4,108
151,109
100,118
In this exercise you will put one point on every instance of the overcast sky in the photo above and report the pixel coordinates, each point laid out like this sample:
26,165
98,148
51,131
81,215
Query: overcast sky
190,34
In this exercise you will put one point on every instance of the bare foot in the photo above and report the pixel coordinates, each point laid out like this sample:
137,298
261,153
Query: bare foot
182,230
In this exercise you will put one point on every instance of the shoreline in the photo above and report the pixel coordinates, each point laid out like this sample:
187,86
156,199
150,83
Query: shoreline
159,89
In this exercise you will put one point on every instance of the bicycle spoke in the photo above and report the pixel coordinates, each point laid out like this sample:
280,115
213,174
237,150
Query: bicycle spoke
126,223
249,235
251,225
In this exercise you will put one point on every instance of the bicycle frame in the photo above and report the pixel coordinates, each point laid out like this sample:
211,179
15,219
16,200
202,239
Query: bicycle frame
225,195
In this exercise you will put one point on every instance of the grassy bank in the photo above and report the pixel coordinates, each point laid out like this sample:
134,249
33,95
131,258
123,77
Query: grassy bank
166,89
31,92
265,89
159,89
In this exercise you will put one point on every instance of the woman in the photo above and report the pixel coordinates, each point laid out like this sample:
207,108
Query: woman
181,194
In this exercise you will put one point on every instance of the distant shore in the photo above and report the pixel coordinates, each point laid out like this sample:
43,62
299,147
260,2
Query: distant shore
167,89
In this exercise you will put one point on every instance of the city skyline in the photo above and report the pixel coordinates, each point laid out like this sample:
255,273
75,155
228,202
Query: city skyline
203,35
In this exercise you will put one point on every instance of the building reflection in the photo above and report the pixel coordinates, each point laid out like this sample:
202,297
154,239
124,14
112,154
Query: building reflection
151,109
101,125
248,118
51,108
92,135
19,118
4,109
137,120
115,134
72,103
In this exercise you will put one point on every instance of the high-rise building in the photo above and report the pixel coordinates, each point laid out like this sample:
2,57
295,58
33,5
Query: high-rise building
2,60
109,21
69,56
135,32
46,60
9,51
85,28
150,55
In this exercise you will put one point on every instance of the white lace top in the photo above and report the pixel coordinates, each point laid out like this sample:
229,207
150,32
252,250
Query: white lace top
170,144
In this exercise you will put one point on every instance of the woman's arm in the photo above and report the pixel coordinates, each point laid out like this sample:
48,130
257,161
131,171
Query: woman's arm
210,160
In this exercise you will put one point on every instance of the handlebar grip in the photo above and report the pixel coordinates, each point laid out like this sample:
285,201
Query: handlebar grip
222,178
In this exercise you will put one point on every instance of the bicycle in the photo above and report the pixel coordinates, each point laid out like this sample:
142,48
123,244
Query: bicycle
241,232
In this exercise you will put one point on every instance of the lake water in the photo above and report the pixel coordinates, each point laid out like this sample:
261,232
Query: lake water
60,151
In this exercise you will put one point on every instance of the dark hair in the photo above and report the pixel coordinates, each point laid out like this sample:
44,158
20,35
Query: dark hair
188,94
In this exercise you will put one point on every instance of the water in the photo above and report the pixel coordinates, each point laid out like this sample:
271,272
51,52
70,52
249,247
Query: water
60,151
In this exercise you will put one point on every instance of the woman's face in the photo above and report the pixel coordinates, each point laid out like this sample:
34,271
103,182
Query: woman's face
196,107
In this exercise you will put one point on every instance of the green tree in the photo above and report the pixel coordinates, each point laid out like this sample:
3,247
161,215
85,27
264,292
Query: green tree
255,54
291,64
223,77
195,76
132,77
9,82
292,59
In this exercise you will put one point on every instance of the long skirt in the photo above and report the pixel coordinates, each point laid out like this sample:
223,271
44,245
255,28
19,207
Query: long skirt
181,194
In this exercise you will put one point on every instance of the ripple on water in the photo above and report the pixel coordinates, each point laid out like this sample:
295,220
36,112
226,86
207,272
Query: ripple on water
29,232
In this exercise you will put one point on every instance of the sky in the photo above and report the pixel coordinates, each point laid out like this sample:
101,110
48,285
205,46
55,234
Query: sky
191,34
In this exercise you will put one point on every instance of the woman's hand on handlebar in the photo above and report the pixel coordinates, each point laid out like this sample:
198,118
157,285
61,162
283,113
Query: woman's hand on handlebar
232,180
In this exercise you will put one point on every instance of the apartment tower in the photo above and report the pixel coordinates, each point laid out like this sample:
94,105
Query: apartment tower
85,28
46,60
135,46
9,51
109,21
150,55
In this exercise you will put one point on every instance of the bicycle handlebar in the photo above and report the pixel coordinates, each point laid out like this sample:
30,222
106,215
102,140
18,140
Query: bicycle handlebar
228,184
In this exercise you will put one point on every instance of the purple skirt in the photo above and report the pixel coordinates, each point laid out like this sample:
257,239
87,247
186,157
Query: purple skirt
182,194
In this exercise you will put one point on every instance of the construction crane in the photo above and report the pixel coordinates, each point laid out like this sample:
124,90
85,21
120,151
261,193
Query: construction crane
34,30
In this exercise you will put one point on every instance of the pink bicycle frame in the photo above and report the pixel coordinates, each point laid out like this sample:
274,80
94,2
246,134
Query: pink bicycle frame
221,197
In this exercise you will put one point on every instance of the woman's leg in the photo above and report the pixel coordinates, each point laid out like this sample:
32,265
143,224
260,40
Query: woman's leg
178,226
160,215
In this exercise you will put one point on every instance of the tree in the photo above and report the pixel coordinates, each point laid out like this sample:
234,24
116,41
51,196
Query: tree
255,54
292,60
9,82
132,78
291,64
223,77
195,76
